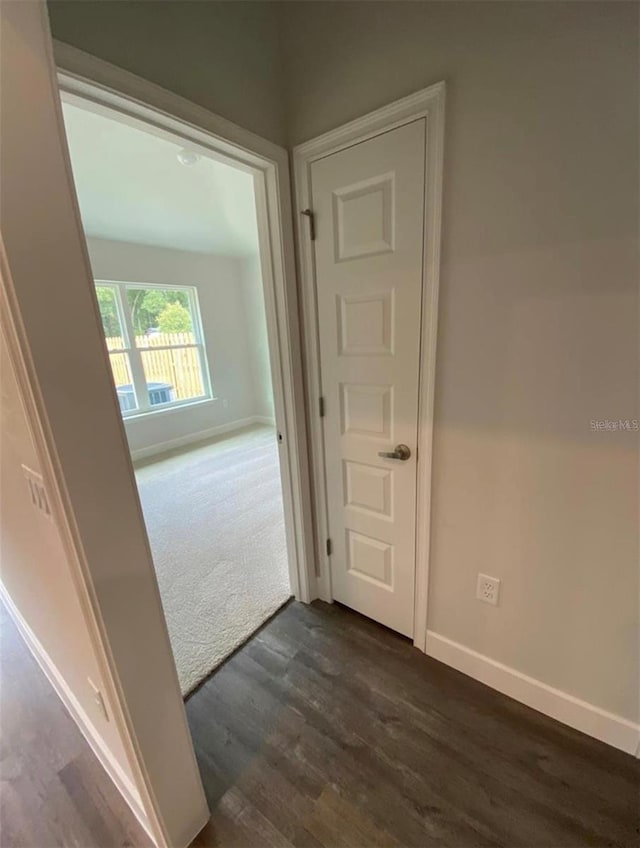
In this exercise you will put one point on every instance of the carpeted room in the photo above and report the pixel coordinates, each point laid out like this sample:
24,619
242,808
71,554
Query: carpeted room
214,516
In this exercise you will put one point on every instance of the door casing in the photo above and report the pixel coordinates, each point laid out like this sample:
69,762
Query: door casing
429,103
106,89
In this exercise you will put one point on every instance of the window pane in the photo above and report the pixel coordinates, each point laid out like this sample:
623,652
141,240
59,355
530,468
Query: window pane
110,318
123,381
160,317
172,374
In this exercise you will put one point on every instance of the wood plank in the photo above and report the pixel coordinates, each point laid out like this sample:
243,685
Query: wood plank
327,730
378,739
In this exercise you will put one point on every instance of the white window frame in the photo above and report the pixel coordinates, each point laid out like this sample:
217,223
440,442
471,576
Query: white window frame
134,353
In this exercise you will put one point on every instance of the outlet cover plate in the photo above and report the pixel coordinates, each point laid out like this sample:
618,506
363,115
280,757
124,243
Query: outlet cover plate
37,491
488,589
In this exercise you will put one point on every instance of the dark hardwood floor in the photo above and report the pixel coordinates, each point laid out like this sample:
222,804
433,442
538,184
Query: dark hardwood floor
53,790
327,730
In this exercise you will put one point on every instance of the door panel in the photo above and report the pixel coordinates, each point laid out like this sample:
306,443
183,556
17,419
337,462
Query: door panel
369,207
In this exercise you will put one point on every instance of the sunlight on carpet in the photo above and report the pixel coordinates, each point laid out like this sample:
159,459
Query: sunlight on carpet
215,521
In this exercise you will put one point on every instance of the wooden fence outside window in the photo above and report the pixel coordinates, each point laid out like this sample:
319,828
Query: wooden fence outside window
171,358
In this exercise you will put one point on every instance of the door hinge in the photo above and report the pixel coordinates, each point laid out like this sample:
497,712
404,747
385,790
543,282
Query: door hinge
312,223
321,406
329,547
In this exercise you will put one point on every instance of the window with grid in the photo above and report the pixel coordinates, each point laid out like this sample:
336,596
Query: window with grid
155,344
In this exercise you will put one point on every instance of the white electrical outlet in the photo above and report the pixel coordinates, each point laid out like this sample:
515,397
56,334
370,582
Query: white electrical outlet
488,589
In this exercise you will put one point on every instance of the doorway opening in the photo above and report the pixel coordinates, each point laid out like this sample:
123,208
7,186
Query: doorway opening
173,235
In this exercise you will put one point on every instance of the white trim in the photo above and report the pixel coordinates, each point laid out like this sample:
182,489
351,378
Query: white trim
594,721
199,436
97,744
428,104
275,237
420,104
162,410
101,86
91,74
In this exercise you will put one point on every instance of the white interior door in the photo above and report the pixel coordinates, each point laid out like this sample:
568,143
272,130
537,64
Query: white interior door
369,208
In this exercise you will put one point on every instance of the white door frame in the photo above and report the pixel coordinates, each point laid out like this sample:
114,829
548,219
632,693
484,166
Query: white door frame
104,88
428,104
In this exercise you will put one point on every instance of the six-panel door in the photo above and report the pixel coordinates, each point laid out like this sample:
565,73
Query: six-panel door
369,205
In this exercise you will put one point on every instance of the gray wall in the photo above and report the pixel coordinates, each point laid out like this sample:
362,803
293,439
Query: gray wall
233,335
221,55
258,345
538,331
538,325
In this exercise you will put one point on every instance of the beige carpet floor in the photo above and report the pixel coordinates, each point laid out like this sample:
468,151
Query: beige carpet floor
215,521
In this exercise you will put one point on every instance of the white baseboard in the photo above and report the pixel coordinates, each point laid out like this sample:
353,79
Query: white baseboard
200,436
608,727
85,725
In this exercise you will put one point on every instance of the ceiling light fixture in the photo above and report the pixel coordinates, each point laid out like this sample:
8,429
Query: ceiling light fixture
188,157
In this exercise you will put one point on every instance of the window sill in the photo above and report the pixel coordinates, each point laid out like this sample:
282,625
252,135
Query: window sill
163,410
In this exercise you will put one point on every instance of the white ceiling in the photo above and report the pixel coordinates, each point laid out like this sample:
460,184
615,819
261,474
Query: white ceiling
131,187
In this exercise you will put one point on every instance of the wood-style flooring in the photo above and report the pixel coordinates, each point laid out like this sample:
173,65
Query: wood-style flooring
53,790
327,730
